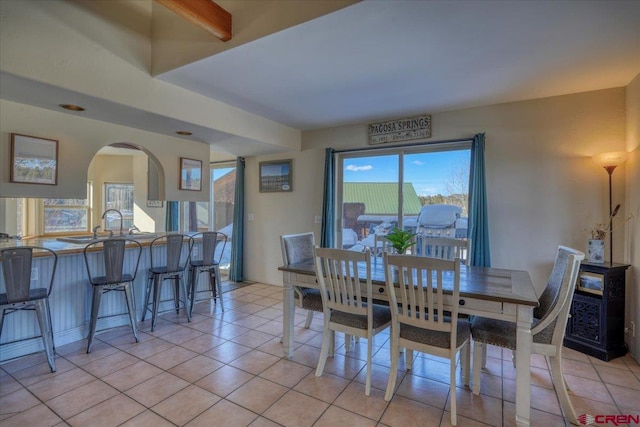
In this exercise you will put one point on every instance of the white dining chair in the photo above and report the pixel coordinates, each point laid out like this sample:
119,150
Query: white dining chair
416,293
444,248
346,308
549,324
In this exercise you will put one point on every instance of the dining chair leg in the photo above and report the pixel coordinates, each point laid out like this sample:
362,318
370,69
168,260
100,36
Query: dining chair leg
128,294
176,293
408,357
180,280
95,307
466,362
477,365
193,285
48,307
484,357
324,351
452,391
393,372
45,330
307,324
367,387
555,363
146,296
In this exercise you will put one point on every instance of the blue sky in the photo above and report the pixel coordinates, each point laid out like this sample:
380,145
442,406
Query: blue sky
430,173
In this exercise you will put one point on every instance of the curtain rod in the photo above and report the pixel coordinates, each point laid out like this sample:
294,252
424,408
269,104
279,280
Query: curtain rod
415,144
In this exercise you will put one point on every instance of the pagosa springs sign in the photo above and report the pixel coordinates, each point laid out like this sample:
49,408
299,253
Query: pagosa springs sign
400,130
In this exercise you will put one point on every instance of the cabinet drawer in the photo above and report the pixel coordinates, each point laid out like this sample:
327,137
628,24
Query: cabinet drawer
305,278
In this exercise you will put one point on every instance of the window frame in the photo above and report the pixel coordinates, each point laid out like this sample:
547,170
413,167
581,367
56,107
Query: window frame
35,215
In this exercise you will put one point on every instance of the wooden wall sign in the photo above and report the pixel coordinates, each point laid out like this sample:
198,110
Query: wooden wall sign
400,130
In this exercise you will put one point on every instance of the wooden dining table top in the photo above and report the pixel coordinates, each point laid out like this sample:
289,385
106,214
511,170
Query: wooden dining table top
483,283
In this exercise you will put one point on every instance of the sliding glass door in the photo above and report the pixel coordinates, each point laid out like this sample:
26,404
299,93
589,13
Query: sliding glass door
381,189
223,187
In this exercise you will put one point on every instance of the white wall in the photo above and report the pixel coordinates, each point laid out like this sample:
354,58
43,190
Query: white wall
543,187
79,139
633,208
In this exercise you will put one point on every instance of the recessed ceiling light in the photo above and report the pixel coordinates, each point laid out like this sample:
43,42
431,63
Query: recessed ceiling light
184,132
71,107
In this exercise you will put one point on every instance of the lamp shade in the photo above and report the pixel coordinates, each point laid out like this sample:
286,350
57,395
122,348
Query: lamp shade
611,159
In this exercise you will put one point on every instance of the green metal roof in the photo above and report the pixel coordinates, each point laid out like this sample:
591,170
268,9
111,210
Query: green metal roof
381,198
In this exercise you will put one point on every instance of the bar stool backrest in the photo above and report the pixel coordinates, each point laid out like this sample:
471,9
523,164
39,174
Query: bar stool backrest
16,268
210,241
175,243
113,251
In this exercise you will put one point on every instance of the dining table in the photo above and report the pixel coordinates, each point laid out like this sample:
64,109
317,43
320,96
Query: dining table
496,293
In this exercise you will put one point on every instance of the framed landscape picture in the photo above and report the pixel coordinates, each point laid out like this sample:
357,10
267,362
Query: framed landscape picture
190,174
276,176
34,160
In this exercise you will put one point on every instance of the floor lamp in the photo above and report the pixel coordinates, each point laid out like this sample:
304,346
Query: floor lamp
610,161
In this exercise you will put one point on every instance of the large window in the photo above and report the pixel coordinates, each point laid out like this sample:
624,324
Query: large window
390,188
118,196
67,215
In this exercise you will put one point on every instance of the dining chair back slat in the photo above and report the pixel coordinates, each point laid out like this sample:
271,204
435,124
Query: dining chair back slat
444,248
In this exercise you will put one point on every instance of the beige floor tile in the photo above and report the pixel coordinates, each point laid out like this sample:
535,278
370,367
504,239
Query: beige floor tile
569,353
39,415
16,402
147,419
273,346
617,377
113,335
229,331
579,369
224,413
306,355
538,418
257,395
334,416
272,327
491,385
252,339
99,350
146,349
481,408
252,321
593,390
263,422
270,313
224,380
353,399
25,362
462,421
181,335
41,372
203,343
541,398
156,389
169,358
111,412
111,363
131,375
424,390
586,406
80,399
346,367
254,361
60,384
8,385
186,404
286,372
296,410
227,352
624,397
408,413
326,387
194,369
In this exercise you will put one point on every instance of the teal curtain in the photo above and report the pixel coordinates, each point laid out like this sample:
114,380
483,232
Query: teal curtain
480,255
328,200
172,222
235,269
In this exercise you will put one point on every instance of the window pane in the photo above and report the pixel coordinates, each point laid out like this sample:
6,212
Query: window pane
223,187
195,216
119,197
59,220
65,202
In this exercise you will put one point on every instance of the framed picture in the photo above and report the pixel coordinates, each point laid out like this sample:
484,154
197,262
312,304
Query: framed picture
276,176
190,174
590,282
154,203
34,160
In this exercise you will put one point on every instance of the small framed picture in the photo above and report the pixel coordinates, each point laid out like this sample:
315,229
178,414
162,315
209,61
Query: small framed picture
190,174
590,282
276,176
34,160
154,203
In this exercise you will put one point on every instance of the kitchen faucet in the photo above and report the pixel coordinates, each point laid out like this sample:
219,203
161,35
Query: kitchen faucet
119,213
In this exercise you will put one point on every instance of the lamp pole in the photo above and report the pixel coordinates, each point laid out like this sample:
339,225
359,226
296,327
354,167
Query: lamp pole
610,170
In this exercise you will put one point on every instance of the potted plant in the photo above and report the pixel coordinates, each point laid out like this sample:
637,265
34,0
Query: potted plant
401,240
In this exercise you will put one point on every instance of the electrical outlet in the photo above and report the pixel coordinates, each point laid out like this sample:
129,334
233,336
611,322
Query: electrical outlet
250,217
317,219
35,274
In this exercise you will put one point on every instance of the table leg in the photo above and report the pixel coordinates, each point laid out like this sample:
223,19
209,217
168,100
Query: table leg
288,316
524,343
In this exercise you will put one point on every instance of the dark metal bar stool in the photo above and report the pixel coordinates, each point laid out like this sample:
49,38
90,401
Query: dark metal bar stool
169,267
16,269
113,279
209,264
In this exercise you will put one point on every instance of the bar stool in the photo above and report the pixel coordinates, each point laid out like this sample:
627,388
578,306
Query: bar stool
171,266
209,264
16,269
113,278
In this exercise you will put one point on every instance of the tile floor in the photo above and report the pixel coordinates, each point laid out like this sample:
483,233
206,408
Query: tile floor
227,369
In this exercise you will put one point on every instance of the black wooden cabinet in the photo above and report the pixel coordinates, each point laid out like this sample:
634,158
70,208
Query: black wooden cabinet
596,321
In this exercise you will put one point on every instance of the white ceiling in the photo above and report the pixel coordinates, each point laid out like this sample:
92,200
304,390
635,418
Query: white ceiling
386,59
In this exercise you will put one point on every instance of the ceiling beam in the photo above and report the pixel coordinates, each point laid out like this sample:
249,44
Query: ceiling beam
204,13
